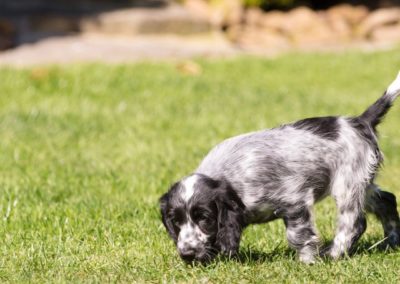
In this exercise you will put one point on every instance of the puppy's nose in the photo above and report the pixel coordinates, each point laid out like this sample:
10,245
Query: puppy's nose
187,255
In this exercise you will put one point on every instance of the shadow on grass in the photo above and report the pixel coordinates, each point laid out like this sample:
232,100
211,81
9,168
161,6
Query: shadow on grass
372,246
256,256
250,255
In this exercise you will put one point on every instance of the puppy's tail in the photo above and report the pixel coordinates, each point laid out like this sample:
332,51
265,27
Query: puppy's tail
376,112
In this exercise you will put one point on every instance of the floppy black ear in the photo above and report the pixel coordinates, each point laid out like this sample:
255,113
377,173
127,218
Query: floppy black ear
167,221
230,220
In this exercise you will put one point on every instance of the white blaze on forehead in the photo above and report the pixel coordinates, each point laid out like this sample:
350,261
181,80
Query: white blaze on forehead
188,185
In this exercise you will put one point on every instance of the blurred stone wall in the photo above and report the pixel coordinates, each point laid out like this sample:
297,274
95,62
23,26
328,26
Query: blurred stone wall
26,21
303,28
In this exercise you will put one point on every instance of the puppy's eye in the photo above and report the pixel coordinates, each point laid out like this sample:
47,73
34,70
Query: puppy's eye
206,224
177,222
203,219
199,216
177,219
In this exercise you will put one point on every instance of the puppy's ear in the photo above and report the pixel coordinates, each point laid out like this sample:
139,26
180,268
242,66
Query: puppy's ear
230,219
167,221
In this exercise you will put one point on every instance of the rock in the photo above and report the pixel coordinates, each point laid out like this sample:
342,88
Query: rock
261,40
254,17
274,20
228,12
343,19
233,33
386,34
377,19
300,19
145,21
261,33
199,8
339,26
353,15
306,28
220,14
7,34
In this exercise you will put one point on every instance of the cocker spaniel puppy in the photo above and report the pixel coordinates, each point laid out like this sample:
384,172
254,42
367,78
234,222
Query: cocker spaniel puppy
280,173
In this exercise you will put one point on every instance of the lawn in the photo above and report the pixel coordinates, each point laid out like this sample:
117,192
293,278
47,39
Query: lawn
86,151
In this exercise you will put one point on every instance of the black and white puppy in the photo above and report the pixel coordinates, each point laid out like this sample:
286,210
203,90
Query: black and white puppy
281,173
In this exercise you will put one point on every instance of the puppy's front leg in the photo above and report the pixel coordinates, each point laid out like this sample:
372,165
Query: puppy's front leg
301,234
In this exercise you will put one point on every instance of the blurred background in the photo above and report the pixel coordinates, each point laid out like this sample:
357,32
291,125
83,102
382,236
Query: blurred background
57,31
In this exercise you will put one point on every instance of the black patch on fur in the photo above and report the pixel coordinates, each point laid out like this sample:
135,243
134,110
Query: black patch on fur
205,183
325,127
362,128
215,207
230,220
376,112
165,209
385,209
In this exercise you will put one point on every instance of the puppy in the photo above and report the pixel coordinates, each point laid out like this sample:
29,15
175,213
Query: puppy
281,173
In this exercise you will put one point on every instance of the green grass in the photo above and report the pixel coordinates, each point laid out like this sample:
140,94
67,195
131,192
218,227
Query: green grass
86,151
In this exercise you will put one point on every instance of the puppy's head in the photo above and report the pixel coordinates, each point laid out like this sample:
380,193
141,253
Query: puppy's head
203,216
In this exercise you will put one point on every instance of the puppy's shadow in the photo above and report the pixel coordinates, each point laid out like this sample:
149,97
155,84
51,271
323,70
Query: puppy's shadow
249,255
256,256
372,246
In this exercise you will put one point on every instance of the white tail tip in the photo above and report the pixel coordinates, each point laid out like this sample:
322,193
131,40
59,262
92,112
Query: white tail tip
394,88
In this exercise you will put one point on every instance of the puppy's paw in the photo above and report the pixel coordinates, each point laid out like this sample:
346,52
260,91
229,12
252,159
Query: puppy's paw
229,253
307,259
392,241
330,252
307,254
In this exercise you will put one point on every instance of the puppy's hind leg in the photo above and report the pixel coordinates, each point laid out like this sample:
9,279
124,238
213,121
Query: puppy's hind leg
383,205
351,223
301,234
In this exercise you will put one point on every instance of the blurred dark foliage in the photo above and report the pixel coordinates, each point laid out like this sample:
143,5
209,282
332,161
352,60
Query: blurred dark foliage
316,4
9,7
18,7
